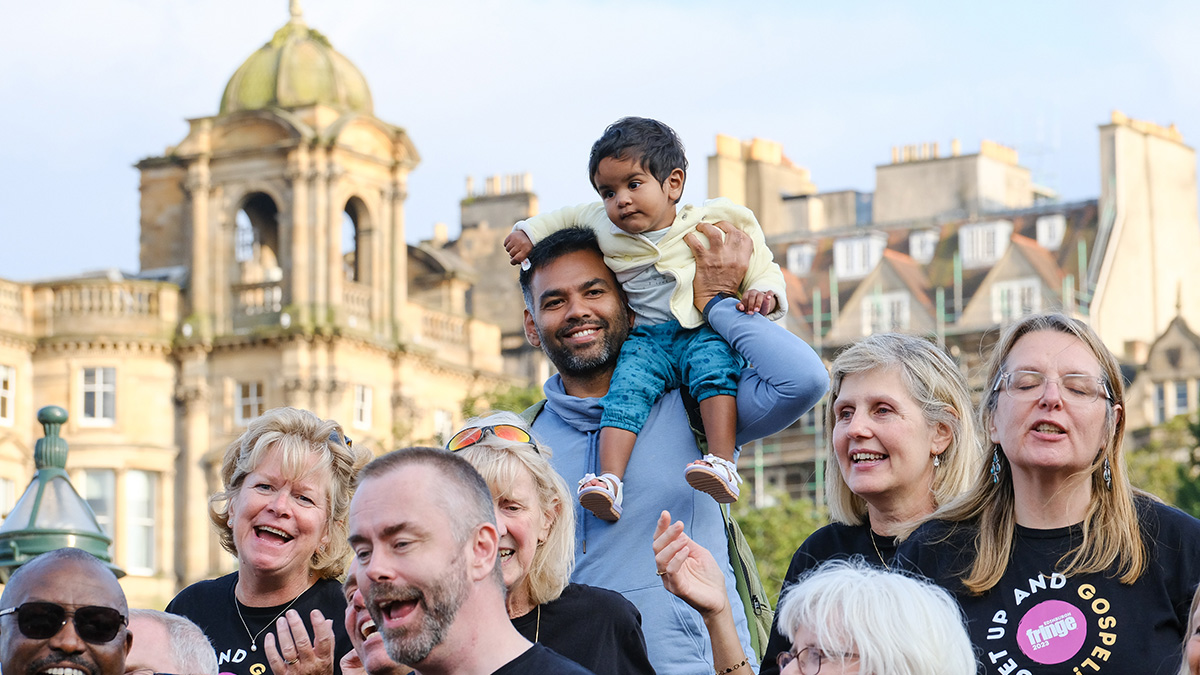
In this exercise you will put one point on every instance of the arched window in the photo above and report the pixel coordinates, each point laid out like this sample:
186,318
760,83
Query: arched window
243,238
256,238
354,229
349,245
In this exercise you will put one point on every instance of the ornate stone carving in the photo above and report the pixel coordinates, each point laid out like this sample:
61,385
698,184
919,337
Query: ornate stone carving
195,183
192,395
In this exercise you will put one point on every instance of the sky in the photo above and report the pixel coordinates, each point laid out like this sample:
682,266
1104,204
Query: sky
485,87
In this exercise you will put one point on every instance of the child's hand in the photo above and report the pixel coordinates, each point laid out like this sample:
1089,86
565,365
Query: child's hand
518,246
753,301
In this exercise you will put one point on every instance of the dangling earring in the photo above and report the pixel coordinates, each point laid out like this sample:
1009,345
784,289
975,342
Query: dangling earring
1107,474
937,461
995,465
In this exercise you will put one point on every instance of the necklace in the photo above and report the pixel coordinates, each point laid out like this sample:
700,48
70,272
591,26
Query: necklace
876,546
537,630
254,636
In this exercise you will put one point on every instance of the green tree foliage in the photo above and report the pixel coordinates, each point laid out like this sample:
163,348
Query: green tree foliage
775,532
1166,465
511,398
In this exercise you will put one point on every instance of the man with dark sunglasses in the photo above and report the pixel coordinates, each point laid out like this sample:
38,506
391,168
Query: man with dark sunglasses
64,612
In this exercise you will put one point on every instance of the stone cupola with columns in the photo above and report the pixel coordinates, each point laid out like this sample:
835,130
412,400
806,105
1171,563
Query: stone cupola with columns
286,206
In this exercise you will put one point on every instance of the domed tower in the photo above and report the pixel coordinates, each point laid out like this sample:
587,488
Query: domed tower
285,205
283,214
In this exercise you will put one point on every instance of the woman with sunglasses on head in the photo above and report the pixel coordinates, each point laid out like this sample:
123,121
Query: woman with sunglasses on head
843,617
595,627
903,439
287,486
1060,565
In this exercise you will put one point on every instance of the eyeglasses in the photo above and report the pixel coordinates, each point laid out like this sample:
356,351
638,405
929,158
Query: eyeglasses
809,659
1030,385
43,620
468,437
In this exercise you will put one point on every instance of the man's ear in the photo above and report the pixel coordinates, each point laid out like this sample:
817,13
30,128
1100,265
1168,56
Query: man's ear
484,552
128,640
674,184
531,334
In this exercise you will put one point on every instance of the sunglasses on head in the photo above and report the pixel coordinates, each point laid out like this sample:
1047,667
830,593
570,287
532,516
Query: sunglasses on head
43,620
346,440
468,437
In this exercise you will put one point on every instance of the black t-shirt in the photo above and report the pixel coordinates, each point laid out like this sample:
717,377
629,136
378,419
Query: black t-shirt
835,541
594,627
210,604
1036,621
538,660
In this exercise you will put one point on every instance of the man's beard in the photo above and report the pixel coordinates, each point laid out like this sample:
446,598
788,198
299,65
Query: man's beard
596,358
439,604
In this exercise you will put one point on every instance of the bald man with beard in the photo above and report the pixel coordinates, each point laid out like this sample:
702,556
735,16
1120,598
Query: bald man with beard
423,529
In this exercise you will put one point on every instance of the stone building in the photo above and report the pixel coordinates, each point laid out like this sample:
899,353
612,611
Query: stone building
487,216
954,247
1167,383
274,271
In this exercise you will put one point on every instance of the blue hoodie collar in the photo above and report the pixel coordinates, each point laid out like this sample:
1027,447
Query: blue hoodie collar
583,414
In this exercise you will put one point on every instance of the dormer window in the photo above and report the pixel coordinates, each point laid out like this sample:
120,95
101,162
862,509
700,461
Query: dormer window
982,244
800,258
1014,299
885,312
855,257
1050,231
922,244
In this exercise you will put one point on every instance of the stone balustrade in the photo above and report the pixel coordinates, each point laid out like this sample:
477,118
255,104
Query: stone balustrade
356,304
99,307
455,338
14,307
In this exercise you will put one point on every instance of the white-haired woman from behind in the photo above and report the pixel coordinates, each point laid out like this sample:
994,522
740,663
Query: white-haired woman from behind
849,617
846,617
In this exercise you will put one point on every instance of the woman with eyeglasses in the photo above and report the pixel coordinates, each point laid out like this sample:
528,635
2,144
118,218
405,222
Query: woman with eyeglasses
1060,565
595,627
287,486
902,442
844,617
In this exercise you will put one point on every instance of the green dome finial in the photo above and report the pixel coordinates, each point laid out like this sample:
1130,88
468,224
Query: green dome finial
297,68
